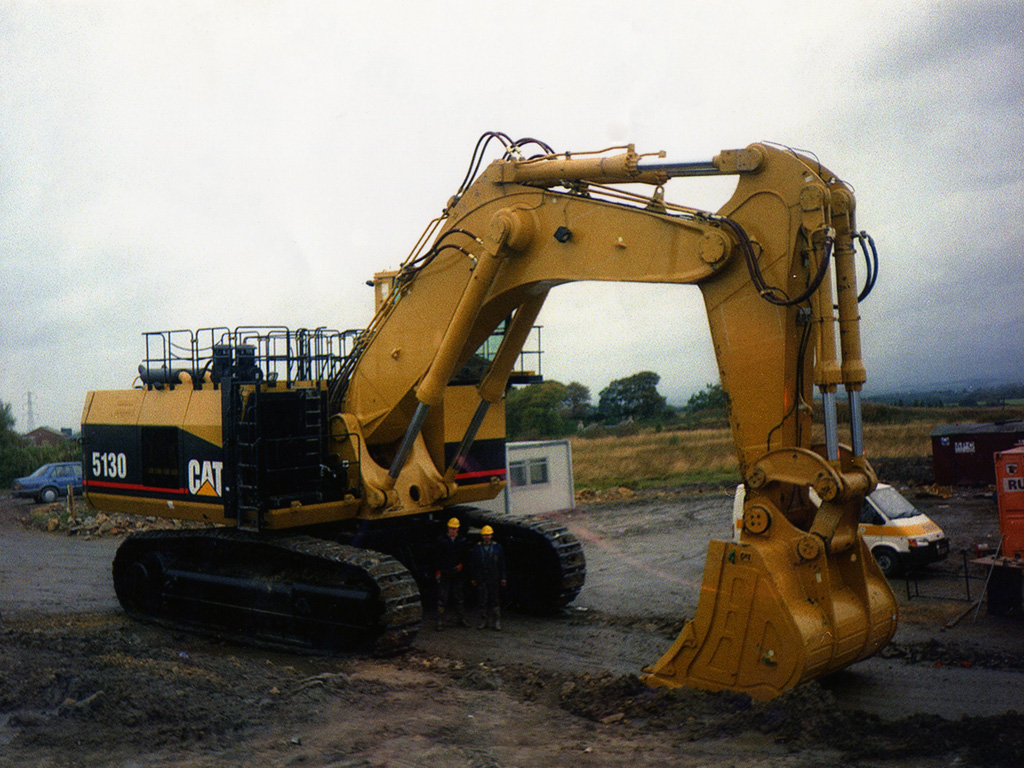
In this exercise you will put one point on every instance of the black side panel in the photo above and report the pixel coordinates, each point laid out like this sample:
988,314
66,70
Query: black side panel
151,462
161,466
289,460
485,460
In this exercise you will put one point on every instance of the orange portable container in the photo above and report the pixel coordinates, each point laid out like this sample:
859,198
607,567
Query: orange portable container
1010,492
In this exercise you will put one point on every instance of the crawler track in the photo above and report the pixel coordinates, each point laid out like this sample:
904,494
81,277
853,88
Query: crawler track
545,561
293,592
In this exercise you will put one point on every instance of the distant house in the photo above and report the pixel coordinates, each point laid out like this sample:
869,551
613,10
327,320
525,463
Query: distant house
964,454
45,436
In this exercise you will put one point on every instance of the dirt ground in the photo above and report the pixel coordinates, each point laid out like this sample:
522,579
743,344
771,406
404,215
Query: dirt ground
82,685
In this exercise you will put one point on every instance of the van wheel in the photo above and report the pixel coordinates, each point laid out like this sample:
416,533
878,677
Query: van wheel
888,560
48,495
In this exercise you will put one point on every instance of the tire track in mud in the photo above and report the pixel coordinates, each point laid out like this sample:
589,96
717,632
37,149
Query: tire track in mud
639,564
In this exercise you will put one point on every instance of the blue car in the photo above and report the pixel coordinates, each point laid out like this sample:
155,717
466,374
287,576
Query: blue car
50,482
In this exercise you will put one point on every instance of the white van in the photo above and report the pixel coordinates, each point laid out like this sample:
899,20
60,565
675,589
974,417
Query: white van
897,533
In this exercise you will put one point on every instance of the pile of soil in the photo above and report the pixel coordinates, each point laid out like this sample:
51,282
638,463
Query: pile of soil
804,718
82,521
96,687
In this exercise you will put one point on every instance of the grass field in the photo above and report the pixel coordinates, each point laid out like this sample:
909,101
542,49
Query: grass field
693,456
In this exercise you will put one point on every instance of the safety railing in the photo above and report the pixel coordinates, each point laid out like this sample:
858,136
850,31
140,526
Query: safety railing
279,354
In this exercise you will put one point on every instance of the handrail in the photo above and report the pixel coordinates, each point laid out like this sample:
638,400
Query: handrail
283,355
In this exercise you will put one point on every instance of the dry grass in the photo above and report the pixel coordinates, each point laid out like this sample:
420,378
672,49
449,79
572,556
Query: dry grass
707,455
653,458
901,441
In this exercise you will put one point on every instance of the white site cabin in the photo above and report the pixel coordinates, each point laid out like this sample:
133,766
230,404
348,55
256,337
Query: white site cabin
539,478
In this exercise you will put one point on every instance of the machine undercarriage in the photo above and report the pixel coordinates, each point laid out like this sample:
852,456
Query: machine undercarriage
351,587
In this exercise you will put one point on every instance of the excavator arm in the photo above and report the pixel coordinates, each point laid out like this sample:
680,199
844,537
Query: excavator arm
799,595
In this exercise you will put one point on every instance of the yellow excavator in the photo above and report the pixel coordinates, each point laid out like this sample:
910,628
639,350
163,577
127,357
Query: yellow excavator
328,461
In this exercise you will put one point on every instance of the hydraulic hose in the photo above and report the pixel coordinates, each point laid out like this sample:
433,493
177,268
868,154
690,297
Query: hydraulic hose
871,260
769,293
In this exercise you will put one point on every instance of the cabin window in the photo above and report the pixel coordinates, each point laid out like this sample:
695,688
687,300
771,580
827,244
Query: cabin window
528,472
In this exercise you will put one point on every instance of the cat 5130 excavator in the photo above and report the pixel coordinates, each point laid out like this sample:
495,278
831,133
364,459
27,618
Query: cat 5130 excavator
330,461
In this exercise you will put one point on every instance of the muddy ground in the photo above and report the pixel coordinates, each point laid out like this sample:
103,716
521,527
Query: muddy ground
81,685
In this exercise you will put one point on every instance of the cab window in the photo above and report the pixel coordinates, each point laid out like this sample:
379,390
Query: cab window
869,515
894,505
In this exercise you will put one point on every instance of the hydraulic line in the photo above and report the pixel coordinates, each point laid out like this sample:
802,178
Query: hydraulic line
772,294
856,419
477,158
871,261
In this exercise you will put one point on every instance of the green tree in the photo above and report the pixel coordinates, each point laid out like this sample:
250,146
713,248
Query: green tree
537,410
6,424
18,458
711,398
12,447
577,405
635,397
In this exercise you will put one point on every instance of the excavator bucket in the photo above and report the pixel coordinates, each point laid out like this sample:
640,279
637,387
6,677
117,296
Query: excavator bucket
777,610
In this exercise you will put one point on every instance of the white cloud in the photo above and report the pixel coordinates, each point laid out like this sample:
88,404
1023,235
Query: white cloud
172,164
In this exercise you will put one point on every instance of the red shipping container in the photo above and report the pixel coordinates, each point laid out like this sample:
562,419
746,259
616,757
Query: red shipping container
1010,492
962,454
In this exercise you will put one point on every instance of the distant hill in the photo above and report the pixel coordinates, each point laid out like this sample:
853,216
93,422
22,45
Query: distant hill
1005,394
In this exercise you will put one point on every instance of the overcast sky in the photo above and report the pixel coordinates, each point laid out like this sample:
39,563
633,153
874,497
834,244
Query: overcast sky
181,165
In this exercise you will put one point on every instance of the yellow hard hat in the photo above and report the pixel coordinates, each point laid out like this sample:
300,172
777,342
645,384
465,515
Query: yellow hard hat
453,523
487,530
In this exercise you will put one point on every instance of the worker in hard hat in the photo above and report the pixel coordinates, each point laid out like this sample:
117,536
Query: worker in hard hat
488,576
449,571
